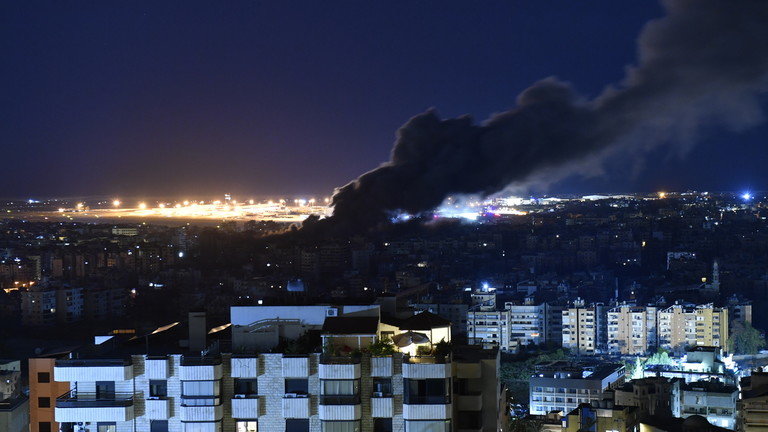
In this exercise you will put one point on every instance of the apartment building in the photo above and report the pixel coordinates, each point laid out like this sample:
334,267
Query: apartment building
43,391
563,386
509,328
680,326
341,388
632,329
14,405
657,396
527,322
752,407
490,329
584,329
711,399
602,416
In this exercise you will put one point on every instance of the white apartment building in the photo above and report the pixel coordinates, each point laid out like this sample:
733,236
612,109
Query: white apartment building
490,329
509,328
711,399
339,390
527,323
562,386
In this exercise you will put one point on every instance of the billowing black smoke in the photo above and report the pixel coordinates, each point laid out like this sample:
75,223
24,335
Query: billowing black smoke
705,62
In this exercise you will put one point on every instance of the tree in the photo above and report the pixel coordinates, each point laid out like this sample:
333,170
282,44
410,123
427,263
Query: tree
745,339
660,358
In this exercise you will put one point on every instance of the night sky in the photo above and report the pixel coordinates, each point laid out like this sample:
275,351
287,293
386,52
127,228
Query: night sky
270,98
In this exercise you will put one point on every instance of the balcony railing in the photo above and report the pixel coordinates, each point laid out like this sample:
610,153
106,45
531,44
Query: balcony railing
428,359
340,399
93,362
75,399
332,359
200,361
426,400
156,357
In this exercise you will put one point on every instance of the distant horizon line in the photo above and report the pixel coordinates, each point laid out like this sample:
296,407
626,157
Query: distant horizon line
320,197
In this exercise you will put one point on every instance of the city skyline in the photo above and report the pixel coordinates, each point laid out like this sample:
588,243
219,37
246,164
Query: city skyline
264,99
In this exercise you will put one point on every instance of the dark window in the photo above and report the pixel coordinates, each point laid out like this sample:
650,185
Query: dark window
427,391
105,390
246,386
382,387
158,388
298,386
44,402
461,385
382,425
158,426
44,427
296,425
43,377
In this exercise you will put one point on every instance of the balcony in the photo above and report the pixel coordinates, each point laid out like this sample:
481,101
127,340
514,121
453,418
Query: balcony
157,368
296,367
296,406
245,367
203,413
157,408
93,370
382,406
200,368
76,406
427,411
339,367
245,407
425,367
381,367
339,407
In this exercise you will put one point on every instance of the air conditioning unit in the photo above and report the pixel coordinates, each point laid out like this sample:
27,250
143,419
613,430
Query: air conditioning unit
290,395
378,394
332,312
154,398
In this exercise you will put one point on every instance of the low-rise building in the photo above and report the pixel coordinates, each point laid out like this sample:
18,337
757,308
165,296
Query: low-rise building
601,416
652,396
563,386
711,399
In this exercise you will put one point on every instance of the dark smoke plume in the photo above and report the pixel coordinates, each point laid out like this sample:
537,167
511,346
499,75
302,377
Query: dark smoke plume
705,62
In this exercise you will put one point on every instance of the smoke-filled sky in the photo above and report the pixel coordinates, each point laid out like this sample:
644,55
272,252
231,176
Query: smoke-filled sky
268,98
